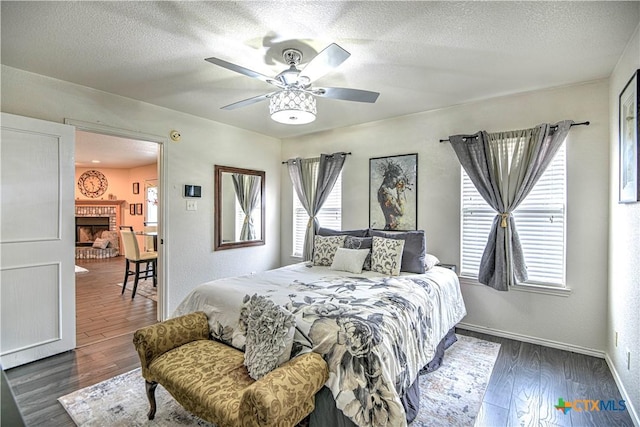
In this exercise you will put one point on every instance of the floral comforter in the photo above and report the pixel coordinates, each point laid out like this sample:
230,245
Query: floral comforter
375,332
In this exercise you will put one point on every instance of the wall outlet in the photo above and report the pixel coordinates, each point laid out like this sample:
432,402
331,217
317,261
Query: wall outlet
192,205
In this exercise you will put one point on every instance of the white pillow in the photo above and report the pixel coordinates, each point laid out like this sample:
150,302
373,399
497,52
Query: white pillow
430,261
386,255
351,260
325,247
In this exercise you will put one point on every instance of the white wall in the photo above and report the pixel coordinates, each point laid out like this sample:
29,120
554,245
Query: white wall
578,320
624,250
189,238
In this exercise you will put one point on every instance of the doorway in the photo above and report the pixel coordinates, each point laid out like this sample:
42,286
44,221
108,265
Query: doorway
131,165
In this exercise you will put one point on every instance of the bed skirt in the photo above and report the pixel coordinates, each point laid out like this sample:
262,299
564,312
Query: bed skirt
326,414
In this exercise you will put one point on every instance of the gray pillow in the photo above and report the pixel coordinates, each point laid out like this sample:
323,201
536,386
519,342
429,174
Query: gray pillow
415,248
352,242
269,332
329,232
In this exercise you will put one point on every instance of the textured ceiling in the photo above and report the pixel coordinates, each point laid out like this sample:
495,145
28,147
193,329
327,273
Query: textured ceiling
419,55
95,150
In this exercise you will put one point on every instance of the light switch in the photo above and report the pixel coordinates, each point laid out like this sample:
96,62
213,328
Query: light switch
192,205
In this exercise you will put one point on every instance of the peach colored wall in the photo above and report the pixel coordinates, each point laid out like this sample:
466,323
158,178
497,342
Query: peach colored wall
120,185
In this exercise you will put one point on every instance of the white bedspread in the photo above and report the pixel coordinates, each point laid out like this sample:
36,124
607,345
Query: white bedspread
375,332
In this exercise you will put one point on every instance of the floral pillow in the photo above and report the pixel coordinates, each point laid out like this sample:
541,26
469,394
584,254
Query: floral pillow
386,255
325,247
269,331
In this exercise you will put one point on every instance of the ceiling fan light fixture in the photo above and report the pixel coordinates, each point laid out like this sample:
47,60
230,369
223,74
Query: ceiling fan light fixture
292,107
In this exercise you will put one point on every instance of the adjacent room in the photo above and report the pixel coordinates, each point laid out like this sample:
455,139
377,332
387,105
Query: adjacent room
430,209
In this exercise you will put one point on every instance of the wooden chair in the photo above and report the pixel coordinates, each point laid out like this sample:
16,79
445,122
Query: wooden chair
133,255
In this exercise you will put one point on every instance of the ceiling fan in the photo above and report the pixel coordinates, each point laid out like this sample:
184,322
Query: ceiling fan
294,101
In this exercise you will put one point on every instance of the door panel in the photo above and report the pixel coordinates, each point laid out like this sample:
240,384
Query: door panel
37,283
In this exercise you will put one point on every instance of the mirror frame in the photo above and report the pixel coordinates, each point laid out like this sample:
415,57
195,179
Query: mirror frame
219,245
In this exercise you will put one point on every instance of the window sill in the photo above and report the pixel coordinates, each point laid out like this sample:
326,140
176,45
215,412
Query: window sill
535,289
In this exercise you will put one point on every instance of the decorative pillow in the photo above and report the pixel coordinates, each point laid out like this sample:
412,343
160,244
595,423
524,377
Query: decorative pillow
113,238
269,335
350,260
430,261
100,243
325,247
386,255
352,242
329,232
415,248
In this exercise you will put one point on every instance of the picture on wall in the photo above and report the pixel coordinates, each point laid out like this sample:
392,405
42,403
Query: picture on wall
138,208
136,188
629,153
393,192
132,209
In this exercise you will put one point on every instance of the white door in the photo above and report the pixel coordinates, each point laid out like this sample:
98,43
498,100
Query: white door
37,274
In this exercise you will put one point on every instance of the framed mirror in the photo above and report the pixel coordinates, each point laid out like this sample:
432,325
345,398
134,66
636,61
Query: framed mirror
239,207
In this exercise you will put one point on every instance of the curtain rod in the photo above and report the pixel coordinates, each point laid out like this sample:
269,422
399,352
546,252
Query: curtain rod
346,154
587,123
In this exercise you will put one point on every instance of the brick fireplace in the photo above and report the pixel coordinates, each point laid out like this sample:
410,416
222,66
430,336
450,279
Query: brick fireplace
92,218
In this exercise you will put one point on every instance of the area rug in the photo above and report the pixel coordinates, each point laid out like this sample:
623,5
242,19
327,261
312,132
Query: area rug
450,396
145,288
81,270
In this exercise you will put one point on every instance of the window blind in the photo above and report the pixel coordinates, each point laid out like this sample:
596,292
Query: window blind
330,216
540,222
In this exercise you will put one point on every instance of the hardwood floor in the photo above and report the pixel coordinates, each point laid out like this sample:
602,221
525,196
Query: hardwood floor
528,380
102,312
526,383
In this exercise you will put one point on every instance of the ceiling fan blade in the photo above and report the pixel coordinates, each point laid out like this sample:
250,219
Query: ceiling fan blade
346,94
243,70
330,57
247,101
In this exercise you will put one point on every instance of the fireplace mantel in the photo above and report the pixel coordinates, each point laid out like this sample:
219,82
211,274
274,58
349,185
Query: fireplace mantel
87,202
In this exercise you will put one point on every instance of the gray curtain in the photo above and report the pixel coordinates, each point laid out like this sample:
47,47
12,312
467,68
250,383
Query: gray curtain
247,189
504,167
313,180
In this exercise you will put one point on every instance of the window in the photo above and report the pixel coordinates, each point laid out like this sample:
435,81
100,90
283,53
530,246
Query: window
152,203
330,216
540,222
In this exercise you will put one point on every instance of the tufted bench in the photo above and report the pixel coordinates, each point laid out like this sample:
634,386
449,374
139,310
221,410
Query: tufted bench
209,378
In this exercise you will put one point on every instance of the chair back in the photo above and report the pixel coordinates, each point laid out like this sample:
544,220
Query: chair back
130,244
149,241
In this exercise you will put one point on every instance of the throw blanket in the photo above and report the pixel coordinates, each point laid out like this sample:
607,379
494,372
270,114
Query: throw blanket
374,332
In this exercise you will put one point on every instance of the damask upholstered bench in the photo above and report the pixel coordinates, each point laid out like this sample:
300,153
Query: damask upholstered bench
209,378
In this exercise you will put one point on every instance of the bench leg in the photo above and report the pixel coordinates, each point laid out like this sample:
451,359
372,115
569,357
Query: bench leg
151,395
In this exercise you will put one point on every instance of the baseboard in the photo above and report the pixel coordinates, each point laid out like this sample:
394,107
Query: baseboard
633,413
533,340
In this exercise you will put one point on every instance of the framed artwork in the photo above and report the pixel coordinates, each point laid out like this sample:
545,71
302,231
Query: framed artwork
132,209
393,192
136,188
628,150
138,208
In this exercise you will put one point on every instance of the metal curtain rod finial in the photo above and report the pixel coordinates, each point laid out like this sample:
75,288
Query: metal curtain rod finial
343,153
587,123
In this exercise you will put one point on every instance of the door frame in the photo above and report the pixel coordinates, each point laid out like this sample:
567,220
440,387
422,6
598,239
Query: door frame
163,213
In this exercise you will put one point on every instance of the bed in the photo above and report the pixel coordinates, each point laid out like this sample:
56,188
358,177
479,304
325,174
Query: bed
375,331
